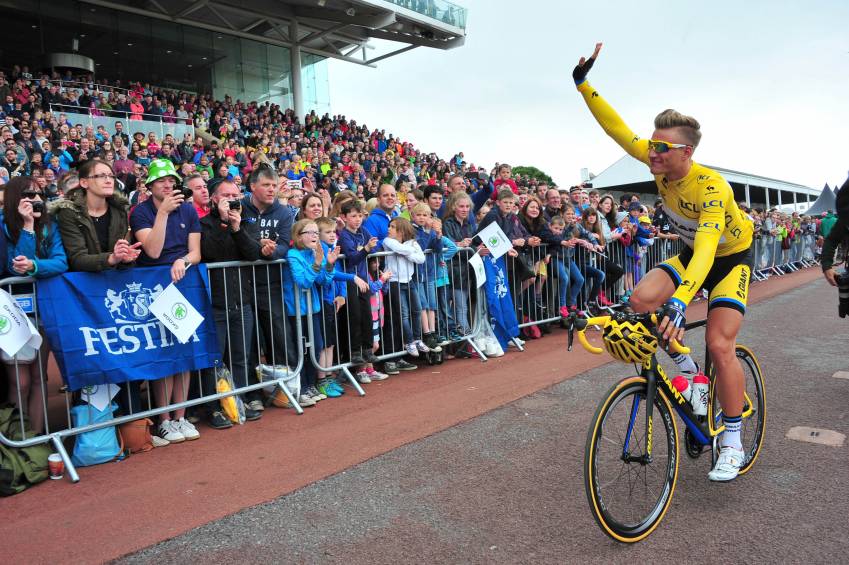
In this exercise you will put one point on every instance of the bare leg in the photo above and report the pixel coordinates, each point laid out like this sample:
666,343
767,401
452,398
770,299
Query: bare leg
161,391
180,392
652,292
35,405
721,337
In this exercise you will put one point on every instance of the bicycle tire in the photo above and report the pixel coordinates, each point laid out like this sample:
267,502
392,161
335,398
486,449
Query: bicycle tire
602,505
752,432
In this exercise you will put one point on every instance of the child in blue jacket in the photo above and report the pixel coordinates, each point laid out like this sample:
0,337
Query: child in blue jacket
310,269
425,277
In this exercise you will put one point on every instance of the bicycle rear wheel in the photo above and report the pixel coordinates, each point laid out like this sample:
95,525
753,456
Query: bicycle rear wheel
752,432
628,497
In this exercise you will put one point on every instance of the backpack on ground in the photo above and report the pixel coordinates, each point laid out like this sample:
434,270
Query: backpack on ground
20,468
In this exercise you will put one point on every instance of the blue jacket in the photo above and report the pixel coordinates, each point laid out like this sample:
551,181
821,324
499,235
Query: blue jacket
428,240
49,259
377,225
353,248
449,250
301,273
340,278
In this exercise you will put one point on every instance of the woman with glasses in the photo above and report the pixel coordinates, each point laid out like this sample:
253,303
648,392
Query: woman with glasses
33,248
93,221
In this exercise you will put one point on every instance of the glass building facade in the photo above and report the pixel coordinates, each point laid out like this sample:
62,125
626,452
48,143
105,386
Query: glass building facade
136,48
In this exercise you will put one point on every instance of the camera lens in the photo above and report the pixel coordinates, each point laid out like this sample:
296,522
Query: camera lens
843,294
235,205
37,206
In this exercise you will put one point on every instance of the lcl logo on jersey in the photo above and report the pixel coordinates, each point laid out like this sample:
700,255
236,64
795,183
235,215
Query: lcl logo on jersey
689,206
709,226
712,204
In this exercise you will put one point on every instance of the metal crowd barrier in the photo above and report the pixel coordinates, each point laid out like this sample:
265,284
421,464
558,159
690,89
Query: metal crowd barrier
260,332
771,259
398,317
26,293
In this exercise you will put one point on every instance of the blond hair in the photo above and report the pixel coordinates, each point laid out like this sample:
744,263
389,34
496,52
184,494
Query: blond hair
687,125
371,204
421,208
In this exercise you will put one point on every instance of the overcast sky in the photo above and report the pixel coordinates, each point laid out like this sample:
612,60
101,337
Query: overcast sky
766,79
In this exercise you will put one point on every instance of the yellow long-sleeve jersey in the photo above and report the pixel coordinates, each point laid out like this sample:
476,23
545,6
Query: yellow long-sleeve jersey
700,206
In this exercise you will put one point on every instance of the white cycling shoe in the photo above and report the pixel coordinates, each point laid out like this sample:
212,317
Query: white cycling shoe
727,465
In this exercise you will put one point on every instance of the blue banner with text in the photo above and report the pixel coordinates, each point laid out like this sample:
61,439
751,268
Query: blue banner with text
101,330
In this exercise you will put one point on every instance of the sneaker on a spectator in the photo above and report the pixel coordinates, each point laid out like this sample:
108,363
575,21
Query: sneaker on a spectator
455,335
326,388
251,415
186,428
363,378
158,441
442,340
170,432
404,366
391,367
515,341
313,393
376,375
305,401
564,311
255,405
336,384
412,349
219,421
421,346
369,356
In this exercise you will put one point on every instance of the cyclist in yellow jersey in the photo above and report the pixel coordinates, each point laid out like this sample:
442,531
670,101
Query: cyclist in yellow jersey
717,256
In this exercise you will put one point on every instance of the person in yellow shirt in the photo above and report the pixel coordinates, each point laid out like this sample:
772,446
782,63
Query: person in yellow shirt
717,255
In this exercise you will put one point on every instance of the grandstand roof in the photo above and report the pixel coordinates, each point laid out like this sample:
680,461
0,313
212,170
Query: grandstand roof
339,29
628,170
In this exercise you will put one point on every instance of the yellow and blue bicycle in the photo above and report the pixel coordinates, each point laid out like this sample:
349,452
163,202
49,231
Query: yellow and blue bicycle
631,456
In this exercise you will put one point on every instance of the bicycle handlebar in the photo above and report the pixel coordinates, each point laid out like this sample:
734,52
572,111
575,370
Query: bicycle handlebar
582,324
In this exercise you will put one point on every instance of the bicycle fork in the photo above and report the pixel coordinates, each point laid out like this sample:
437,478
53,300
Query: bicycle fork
646,458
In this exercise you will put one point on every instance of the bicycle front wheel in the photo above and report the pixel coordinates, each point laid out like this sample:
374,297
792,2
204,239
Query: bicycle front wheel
628,491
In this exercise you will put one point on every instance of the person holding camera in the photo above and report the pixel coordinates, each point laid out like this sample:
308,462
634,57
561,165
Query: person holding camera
837,235
34,249
225,238
168,228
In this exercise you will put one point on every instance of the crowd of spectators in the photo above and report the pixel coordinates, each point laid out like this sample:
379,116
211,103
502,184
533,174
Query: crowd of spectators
323,192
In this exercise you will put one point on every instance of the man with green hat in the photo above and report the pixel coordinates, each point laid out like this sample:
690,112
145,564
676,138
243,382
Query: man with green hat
169,231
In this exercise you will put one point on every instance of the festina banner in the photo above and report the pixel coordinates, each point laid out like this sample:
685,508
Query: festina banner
101,329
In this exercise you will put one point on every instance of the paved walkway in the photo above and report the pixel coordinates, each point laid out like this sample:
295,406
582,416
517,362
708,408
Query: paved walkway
502,486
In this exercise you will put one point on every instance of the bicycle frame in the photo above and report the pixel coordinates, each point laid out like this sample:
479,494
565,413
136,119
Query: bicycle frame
701,427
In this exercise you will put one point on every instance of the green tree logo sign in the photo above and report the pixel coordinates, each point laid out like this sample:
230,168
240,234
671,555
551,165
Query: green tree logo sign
5,325
179,311
493,241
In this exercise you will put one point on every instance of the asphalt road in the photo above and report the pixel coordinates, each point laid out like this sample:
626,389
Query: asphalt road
507,487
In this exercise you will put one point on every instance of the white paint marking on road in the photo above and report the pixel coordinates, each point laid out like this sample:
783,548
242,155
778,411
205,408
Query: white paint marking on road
816,435
841,375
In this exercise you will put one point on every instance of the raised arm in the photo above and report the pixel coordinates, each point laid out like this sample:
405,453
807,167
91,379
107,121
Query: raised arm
604,113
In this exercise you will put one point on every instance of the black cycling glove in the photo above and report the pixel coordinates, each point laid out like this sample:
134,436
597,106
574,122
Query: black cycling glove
579,73
674,310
